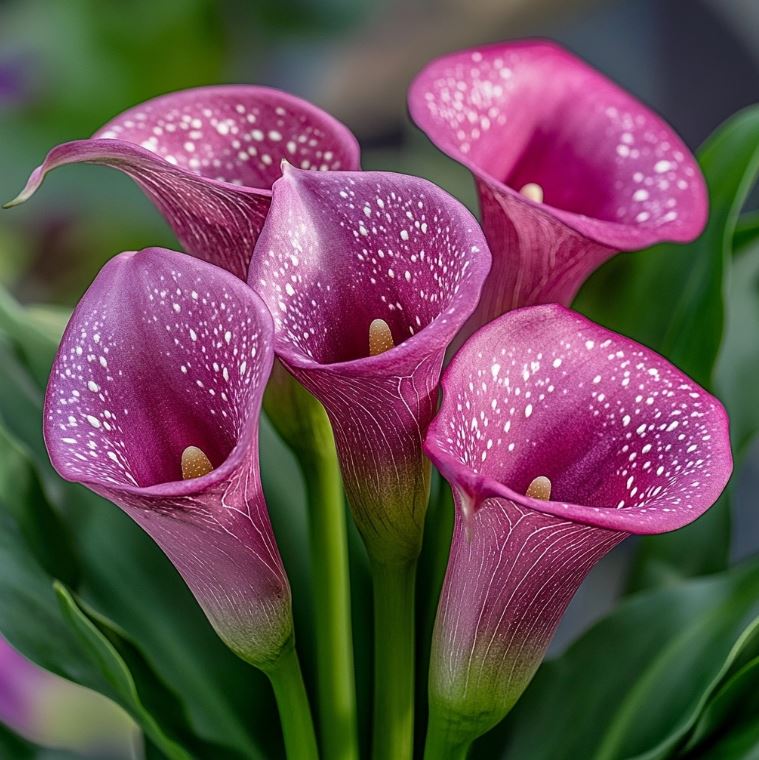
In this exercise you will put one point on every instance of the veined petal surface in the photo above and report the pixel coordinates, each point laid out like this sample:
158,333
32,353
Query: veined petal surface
165,352
339,251
629,444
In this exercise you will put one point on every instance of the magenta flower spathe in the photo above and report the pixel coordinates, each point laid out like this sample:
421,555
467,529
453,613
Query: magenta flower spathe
569,167
359,263
608,439
162,354
207,158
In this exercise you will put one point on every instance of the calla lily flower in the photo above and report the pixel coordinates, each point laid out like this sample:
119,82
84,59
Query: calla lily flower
569,167
207,158
559,438
369,276
153,403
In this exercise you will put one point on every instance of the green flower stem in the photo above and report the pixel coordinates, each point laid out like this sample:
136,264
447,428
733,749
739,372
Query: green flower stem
394,644
294,710
442,743
332,609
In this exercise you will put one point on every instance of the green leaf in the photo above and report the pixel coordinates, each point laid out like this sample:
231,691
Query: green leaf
672,298
34,339
746,231
730,718
22,495
738,362
636,683
109,649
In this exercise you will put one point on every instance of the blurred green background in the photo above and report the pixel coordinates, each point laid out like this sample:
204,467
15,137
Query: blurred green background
67,66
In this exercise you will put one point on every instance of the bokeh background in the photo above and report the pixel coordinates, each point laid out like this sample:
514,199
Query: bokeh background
68,66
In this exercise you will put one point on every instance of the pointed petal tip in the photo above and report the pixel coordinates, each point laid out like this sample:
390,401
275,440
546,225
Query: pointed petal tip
31,186
22,197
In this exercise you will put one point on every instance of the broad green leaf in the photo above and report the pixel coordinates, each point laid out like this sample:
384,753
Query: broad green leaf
672,298
29,616
738,363
635,684
109,650
34,339
23,496
746,231
730,718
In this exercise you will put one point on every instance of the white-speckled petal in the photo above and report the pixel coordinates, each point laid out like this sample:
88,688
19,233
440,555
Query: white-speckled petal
165,352
338,251
630,445
613,175
207,158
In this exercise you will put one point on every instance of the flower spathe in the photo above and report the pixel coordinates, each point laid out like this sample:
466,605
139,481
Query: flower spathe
569,167
629,445
164,353
207,158
339,253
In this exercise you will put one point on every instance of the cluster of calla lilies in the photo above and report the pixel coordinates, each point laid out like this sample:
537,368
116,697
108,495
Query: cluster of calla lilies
333,297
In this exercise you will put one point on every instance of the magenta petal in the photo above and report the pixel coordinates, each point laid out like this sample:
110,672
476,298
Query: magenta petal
165,352
615,176
338,251
207,158
630,444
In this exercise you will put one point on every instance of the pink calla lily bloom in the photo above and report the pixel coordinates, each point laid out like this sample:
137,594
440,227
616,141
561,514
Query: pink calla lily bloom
153,403
369,276
559,439
569,167
207,158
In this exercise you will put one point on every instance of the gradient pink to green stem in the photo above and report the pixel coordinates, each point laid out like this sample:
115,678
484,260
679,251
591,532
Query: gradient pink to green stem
630,445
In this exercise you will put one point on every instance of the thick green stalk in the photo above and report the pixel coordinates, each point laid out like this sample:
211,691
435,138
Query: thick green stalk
442,744
394,643
332,609
303,424
294,710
